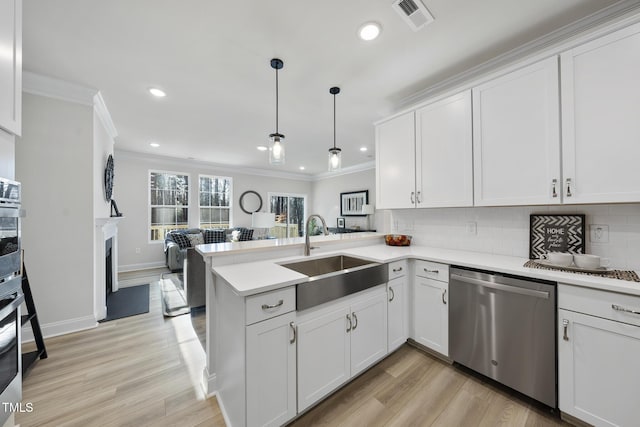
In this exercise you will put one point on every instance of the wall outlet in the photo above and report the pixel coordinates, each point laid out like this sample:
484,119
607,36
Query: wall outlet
599,233
472,227
137,250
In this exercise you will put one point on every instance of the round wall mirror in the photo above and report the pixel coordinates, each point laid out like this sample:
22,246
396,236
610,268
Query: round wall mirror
250,202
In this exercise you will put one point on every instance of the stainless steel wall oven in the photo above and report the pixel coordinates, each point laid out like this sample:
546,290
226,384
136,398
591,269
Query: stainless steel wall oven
10,354
10,257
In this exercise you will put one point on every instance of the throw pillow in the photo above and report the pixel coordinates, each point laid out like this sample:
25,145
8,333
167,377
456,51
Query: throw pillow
245,234
181,239
195,239
214,236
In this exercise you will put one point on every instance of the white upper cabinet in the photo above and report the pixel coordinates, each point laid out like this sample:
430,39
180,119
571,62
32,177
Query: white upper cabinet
423,158
395,163
600,123
11,65
444,153
516,137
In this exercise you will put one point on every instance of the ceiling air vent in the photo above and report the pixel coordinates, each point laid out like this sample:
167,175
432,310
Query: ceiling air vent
413,12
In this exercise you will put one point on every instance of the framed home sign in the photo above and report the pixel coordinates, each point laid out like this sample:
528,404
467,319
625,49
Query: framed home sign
351,203
556,233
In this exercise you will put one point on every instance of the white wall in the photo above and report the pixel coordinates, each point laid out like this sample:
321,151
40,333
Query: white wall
54,163
132,195
326,196
505,230
7,155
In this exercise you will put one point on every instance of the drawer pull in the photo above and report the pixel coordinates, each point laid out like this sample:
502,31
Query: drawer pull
293,328
565,326
396,270
426,270
350,323
617,307
272,306
393,294
553,187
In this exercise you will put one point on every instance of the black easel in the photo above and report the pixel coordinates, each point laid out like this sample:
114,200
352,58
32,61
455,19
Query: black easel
28,359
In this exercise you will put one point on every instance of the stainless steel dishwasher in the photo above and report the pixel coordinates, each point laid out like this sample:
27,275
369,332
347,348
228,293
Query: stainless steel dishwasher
504,327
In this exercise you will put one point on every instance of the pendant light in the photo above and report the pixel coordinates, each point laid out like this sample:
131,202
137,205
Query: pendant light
276,140
335,154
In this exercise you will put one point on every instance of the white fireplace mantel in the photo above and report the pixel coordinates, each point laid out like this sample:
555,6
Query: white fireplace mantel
106,228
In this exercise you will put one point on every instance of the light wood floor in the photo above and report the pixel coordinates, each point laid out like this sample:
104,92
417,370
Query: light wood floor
146,370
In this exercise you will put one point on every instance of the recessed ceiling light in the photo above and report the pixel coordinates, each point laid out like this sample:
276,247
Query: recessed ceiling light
261,148
301,168
157,92
369,31
154,144
363,149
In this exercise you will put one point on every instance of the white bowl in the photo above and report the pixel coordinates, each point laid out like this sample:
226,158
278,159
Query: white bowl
559,258
587,261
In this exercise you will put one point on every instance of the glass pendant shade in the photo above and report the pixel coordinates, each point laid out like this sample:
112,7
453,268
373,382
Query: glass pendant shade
335,159
276,149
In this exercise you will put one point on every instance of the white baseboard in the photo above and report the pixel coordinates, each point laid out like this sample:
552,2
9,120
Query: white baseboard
60,328
209,383
141,266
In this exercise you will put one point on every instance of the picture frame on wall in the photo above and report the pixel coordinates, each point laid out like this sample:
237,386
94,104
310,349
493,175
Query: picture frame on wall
556,233
351,202
340,223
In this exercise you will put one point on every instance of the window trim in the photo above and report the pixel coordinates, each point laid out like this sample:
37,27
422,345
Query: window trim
149,172
230,196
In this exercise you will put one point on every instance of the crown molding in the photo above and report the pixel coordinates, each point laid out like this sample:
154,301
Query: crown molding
38,84
50,87
345,171
156,158
102,112
616,14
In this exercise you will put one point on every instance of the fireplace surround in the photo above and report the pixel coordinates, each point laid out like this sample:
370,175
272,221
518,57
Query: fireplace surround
106,230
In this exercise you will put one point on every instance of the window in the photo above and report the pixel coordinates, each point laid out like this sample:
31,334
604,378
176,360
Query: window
169,203
290,214
215,201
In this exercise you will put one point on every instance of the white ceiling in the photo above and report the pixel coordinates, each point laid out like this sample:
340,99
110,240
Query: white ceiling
212,58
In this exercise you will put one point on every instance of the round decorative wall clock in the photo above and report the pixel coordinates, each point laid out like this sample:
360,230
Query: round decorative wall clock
108,178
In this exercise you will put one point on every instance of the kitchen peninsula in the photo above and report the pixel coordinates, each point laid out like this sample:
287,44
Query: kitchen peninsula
260,347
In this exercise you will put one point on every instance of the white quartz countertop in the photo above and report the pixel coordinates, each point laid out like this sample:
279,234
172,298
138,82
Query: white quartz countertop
256,277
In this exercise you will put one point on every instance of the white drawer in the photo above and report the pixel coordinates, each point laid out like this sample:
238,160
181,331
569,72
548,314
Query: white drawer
432,270
397,269
270,304
605,304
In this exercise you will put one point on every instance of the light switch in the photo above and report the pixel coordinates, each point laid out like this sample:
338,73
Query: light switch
472,227
599,233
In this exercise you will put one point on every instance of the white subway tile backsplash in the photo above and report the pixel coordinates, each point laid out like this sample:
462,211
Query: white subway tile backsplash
505,230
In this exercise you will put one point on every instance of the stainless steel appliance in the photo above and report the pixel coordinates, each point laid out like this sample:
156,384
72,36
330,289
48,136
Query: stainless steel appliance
9,233
10,354
504,327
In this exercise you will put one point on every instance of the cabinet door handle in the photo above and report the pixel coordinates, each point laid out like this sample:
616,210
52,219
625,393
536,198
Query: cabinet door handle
426,270
569,187
272,306
565,326
444,292
617,307
413,201
396,270
393,294
418,199
350,324
554,193
355,318
293,328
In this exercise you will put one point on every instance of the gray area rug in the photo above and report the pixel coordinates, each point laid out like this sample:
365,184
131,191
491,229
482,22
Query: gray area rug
174,300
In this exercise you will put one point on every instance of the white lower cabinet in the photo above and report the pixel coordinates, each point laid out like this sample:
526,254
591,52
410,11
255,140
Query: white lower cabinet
430,308
271,371
339,341
397,313
598,353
